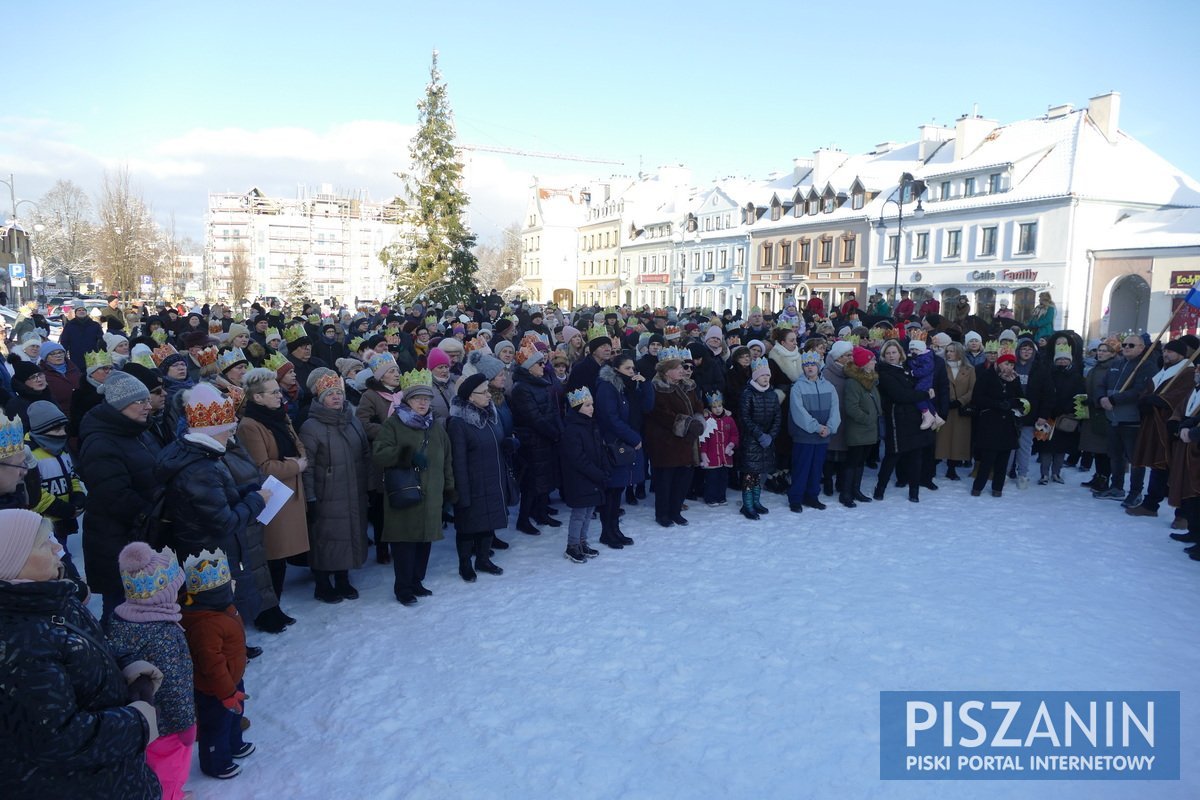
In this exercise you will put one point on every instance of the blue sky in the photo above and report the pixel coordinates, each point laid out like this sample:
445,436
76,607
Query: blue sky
220,96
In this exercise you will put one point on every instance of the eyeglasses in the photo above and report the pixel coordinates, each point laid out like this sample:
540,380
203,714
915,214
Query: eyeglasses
1128,346
481,392
688,367
143,402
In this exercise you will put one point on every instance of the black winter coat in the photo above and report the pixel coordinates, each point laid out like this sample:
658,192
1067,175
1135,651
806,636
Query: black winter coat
205,507
477,445
116,462
758,413
584,372
537,426
709,375
901,419
995,426
647,365
257,594
620,420
65,728
584,460
83,400
1058,400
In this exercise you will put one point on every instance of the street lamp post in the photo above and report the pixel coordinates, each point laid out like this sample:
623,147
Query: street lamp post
914,187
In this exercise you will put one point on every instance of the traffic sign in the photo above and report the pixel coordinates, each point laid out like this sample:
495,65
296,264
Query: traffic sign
16,271
18,283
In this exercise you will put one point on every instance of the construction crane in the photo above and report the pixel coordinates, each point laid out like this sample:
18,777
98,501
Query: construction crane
512,151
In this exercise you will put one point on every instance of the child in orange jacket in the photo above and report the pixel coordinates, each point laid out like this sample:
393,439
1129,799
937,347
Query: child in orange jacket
217,641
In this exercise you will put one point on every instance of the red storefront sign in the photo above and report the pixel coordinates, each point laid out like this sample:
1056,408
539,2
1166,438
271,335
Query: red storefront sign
654,279
1185,280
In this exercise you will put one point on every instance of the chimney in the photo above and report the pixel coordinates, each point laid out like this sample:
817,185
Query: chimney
883,147
825,161
969,133
1055,112
800,168
1105,111
932,137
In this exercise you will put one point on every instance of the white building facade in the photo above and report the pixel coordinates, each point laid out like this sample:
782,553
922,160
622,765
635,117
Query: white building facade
549,252
337,239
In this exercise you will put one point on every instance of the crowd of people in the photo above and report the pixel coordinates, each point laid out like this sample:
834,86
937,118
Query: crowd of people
200,454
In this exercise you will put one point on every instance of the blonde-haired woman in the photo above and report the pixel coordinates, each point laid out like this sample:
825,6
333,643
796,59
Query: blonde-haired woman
953,443
1042,321
904,439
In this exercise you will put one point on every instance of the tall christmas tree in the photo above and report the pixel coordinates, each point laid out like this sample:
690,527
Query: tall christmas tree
434,260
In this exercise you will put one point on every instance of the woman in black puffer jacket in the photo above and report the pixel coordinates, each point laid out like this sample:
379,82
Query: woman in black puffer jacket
478,449
67,727
537,427
904,441
759,421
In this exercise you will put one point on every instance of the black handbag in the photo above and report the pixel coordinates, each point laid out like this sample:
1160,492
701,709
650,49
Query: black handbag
403,484
622,455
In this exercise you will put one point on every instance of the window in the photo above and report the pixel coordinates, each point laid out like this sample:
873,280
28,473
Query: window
645,263
829,205
922,250
696,261
893,249
969,189
813,206
987,246
848,247
994,183
945,195
857,200
953,244
798,208
785,253
826,251
805,251
708,260
1027,241
739,257
653,264
768,250
776,211
723,260
708,223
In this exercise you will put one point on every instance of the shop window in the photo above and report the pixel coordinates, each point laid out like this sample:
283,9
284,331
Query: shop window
1024,301
950,304
985,304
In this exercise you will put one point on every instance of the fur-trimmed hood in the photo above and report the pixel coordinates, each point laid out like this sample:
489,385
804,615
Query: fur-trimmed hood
473,415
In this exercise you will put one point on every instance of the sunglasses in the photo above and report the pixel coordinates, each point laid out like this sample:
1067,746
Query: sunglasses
1128,346
688,367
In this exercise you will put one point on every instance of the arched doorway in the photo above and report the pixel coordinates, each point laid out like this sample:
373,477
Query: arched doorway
1023,302
950,304
1129,304
564,298
985,304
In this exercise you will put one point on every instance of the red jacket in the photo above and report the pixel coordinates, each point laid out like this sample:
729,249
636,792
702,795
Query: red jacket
218,644
62,385
904,308
718,447
931,306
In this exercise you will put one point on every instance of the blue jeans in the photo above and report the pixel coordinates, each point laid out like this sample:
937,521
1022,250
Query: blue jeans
807,462
577,527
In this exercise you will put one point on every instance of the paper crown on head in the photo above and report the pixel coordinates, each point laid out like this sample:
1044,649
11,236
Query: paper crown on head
159,353
678,353
671,332
876,334
596,331
207,356
271,334
478,343
1008,347
917,335
326,382
660,312
714,397
784,325
207,410
159,335
415,377
357,343
759,363
852,339
379,360
97,359
991,346
810,357
528,354
1064,350
12,436
294,332
230,358
144,584
315,319
206,570
577,397
275,361
472,327
215,328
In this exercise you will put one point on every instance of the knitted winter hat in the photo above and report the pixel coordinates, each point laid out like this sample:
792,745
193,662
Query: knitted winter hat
597,342
468,385
502,345
942,339
437,358
569,333
1007,335
714,332
24,370
20,532
122,389
141,354
917,346
972,336
113,340
862,356
173,358
1175,346
208,411
44,417
487,366
149,377
758,342
810,357
1009,357
502,326
346,366
236,330
840,349
450,345
151,580
48,348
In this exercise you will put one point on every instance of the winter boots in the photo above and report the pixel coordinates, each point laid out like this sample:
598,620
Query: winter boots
324,590
748,504
483,561
341,585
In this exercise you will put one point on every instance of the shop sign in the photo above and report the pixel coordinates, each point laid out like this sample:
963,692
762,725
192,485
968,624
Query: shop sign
654,279
1015,275
1184,280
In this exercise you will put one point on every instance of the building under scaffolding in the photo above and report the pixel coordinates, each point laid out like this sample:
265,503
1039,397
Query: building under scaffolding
335,236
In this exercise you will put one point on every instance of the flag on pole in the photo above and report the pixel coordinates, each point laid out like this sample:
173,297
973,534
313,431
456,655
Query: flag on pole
1193,297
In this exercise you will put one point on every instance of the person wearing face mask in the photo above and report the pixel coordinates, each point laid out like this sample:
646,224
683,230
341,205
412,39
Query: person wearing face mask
63,496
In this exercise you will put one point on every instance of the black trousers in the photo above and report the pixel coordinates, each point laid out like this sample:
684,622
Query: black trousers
478,544
410,560
907,464
610,512
278,569
993,463
671,486
375,514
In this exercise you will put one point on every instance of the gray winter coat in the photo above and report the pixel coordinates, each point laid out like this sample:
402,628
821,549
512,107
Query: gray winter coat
336,479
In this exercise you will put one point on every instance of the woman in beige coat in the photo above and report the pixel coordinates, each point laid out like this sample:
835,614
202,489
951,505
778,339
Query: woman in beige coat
267,434
954,438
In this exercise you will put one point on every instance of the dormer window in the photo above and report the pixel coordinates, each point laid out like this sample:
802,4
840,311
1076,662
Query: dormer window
858,200
969,188
776,211
994,183
813,206
829,204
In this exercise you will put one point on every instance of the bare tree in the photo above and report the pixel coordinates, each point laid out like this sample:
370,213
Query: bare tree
500,262
65,246
127,239
239,276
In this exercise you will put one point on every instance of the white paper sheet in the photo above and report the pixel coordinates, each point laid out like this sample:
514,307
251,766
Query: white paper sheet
280,494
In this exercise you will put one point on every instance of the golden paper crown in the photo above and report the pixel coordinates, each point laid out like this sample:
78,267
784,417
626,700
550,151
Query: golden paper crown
159,336
991,346
527,352
214,327
357,343
272,333
206,407
160,353
207,356
275,361
326,382
12,436
294,332
416,377
478,343
596,331
1063,350
876,334
472,327
917,335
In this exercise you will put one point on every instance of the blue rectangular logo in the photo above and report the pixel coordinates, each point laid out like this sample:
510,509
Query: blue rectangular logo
1029,736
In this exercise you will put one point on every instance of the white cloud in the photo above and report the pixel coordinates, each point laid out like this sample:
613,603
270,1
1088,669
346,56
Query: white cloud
176,175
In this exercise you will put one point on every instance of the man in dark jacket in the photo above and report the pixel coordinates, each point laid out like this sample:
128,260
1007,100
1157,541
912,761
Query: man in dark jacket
586,371
647,363
80,336
1118,393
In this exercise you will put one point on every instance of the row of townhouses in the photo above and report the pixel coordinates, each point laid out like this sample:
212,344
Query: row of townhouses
1065,202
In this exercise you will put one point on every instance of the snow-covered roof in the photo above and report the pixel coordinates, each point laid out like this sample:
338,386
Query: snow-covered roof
1173,227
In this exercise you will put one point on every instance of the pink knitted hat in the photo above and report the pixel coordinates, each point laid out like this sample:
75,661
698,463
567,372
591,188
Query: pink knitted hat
151,580
18,536
437,358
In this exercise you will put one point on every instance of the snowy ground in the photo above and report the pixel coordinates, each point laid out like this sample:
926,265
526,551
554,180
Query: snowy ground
726,660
